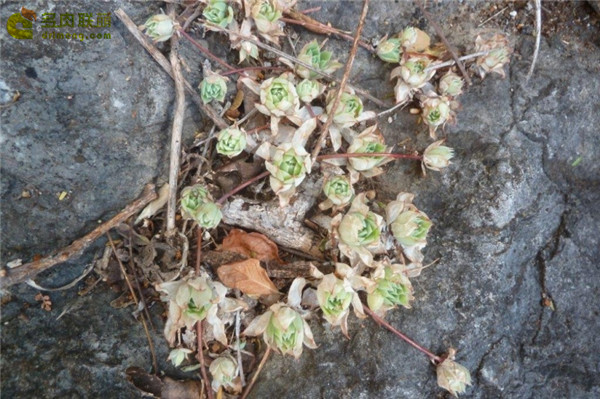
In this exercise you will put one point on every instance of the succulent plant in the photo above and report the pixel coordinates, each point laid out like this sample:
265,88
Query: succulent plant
390,50
213,87
160,27
451,84
218,12
308,90
231,142
408,225
197,204
392,288
436,112
224,370
498,54
437,156
320,60
338,190
452,376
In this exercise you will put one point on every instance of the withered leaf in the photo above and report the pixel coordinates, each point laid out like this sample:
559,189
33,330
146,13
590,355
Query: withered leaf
247,276
29,14
253,245
188,389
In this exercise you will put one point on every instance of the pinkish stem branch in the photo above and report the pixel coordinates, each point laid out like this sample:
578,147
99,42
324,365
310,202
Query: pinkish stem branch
434,358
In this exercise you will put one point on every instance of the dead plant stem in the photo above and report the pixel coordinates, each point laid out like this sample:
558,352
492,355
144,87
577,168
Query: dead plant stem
256,373
29,270
338,96
176,133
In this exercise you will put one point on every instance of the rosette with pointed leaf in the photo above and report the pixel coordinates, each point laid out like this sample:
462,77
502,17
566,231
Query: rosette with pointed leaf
498,56
437,156
436,112
231,142
390,50
408,225
452,376
213,87
218,12
289,163
224,370
392,288
282,326
197,204
359,232
412,74
319,59
266,15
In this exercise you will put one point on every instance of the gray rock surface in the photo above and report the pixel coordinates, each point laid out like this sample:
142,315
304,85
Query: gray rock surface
514,220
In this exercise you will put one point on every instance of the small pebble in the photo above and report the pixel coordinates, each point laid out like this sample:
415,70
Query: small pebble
513,13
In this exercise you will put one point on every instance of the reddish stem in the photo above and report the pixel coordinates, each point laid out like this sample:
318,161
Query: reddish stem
255,68
314,9
205,50
243,186
434,358
258,129
370,154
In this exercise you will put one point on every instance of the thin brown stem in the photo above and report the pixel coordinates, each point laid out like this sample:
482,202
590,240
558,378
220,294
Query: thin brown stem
207,384
311,10
318,27
135,299
205,50
347,69
256,68
256,373
370,154
243,186
449,46
434,358
30,270
258,129
198,250
176,133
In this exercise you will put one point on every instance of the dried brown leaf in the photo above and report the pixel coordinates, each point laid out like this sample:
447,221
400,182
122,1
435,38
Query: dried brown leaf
247,276
188,389
253,245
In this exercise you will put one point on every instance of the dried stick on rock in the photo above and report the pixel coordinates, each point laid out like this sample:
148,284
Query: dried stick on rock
256,373
29,270
298,18
538,36
449,46
164,63
338,95
176,134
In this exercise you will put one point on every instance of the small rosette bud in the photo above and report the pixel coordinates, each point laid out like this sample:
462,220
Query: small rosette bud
409,225
231,142
338,190
160,27
348,110
197,204
278,98
498,56
218,12
358,230
178,355
320,60
436,112
308,90
413,71
414,39
283,329
437,156
368,142
213,87
266,15
452,376
390,50
451,84
392,288
224,373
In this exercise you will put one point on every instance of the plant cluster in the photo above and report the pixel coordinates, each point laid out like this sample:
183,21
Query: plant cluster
376,248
